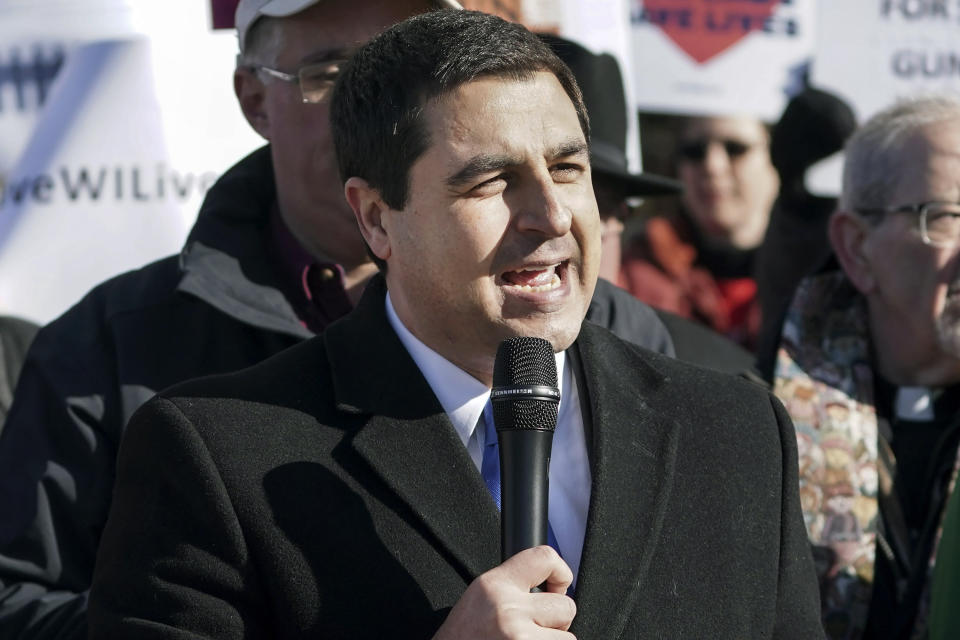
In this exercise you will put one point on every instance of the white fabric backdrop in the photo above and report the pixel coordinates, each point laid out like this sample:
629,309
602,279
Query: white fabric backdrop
107,174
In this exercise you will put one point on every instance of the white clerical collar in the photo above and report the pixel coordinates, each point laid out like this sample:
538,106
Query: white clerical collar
461,395
914,403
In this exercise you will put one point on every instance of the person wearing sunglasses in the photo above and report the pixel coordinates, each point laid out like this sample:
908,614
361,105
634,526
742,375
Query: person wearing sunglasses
724,163
699,263
869,369
614,185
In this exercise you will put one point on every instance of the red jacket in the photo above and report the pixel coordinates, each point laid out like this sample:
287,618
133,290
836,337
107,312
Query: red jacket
666,268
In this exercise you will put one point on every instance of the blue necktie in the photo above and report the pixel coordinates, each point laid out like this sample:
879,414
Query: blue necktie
490,466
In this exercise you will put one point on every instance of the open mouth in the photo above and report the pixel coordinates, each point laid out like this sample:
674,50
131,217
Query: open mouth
539,279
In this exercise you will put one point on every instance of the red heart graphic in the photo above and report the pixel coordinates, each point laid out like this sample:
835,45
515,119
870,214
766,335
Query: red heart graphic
704,28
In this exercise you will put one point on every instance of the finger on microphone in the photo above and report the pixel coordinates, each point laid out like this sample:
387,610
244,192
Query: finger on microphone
540,565
553,610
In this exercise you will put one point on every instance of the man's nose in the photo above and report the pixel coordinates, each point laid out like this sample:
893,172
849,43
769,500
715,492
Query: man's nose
542,209
715,157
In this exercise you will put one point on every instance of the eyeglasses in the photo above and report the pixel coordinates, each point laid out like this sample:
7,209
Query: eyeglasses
696,150
315,80
939,221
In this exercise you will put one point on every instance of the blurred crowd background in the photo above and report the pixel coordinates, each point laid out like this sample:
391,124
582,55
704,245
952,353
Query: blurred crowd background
117,115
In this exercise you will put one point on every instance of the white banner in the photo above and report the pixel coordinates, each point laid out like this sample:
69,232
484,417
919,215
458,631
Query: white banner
873,51
116,117
720,56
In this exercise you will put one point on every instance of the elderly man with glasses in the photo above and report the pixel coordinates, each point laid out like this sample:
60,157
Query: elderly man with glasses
869,368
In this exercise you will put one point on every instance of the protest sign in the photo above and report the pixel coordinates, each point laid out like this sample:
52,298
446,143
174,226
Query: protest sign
873,51
720,56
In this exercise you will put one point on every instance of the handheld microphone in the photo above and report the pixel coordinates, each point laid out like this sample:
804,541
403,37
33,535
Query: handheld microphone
525,401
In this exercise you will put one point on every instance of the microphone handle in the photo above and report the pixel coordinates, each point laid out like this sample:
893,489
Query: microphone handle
524,488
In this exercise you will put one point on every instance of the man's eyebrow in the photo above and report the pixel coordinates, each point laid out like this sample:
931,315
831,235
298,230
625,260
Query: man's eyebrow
491,163
481,164
569,148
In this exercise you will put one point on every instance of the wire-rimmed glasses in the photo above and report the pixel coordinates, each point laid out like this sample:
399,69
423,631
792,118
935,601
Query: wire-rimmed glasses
316,80
939,221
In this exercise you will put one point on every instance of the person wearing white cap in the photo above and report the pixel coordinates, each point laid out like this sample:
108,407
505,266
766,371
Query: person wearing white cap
275,257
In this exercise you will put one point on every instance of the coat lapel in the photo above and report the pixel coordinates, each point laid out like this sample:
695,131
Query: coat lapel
410,444
634,450
408,439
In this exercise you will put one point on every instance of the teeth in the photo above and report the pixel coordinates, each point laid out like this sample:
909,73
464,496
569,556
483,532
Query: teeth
553,284
548,268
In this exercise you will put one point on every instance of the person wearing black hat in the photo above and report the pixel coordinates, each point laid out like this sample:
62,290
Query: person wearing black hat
602,86
814,126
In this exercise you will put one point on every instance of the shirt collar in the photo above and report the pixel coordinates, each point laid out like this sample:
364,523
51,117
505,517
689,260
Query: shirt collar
461,395
314,289
292,259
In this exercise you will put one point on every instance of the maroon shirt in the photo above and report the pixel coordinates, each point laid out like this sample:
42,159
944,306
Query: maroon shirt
314,289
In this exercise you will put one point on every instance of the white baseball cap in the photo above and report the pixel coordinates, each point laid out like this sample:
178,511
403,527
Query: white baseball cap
249,11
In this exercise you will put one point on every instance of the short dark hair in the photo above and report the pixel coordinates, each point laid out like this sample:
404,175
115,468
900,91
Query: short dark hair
377,105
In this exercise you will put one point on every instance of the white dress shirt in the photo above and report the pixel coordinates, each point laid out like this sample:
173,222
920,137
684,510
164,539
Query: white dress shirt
463,397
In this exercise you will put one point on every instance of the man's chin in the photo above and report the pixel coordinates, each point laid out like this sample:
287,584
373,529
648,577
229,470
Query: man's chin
559,333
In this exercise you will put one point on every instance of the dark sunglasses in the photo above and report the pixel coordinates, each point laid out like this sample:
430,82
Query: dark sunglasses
696,150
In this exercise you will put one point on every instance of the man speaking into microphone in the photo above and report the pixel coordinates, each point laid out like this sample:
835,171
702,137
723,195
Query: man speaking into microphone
343,489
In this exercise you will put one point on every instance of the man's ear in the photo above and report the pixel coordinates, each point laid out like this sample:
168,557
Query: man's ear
251,94
369,208
848,233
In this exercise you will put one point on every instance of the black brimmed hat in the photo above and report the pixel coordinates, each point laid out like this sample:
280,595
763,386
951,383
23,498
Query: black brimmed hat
602,85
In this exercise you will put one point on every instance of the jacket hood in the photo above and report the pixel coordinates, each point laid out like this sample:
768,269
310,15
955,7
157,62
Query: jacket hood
237,207
225,261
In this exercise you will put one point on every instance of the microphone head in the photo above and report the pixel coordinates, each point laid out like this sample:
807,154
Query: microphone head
525,394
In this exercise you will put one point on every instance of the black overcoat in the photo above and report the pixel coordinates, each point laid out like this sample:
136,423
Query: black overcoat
325,494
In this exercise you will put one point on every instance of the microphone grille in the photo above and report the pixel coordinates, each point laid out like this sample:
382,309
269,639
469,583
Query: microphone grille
523,361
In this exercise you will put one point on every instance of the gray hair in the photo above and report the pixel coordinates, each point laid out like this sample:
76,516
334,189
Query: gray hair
874,152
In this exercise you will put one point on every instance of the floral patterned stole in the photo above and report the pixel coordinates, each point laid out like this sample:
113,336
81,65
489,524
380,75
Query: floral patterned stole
824,378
